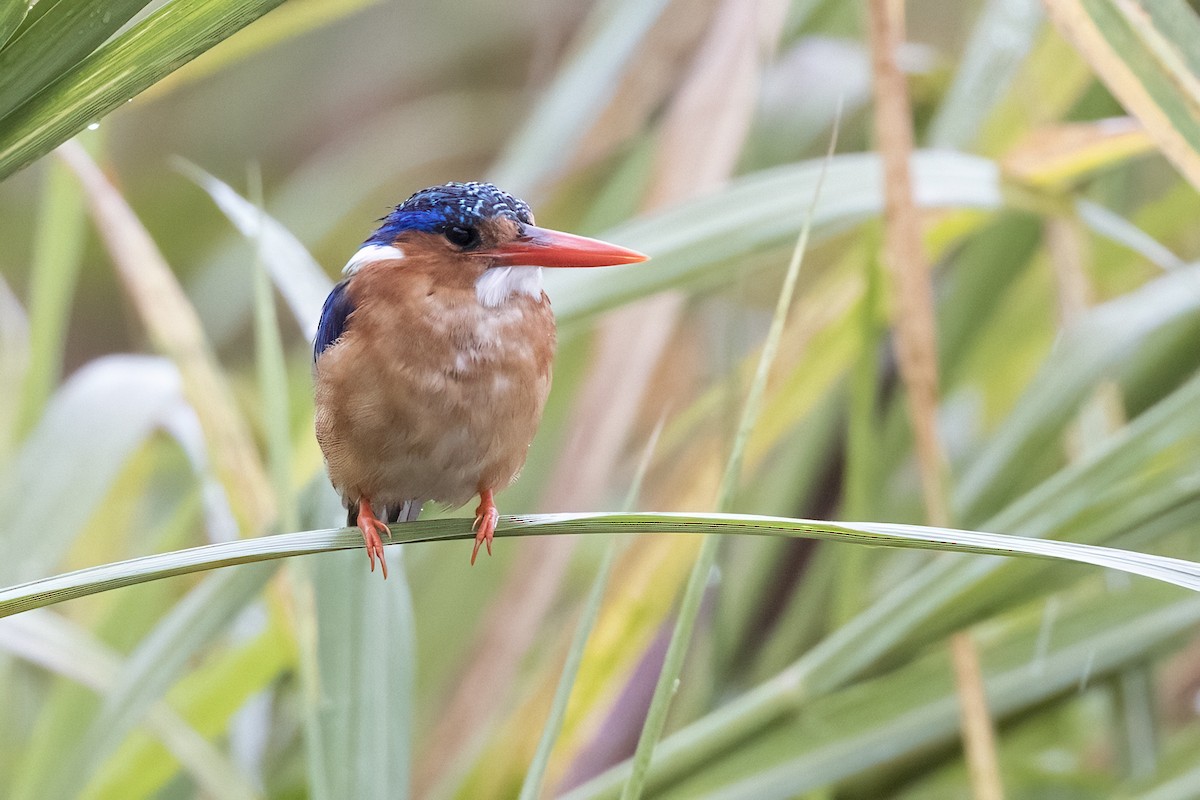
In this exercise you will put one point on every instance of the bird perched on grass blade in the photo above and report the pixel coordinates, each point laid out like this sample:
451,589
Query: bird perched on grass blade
433,355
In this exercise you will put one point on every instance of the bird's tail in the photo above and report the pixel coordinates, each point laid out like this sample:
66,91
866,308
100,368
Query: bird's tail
407,511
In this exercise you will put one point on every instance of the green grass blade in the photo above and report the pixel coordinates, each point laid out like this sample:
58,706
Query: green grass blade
1098,499
914,707
668,676
689,607
365,668
1116,228
60,647
998,45
694,243
68,709
58,255
562,692
587,621
59,40
35,12
155,665
1109,336
272,375
207,698
12,14
890,719
119,70
14,361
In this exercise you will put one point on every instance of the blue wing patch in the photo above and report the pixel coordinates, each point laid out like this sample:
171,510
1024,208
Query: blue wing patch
338,308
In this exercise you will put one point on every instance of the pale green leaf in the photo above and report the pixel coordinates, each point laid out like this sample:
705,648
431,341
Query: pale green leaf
91,426
999,43
702,242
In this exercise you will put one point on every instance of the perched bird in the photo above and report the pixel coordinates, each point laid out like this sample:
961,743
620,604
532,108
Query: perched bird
433,355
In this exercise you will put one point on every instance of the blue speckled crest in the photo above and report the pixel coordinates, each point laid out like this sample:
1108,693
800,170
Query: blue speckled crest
438,207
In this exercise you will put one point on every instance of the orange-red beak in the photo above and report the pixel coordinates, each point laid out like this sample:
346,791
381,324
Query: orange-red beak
541,247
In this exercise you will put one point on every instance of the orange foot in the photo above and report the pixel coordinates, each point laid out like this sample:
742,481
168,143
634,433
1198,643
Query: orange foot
486,517
371,526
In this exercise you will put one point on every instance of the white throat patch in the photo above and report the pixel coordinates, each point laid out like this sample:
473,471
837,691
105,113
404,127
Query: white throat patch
496,284
369,253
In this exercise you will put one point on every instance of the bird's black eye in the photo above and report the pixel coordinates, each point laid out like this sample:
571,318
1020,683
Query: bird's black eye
461,235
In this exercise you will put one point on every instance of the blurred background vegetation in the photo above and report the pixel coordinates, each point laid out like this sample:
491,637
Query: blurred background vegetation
155,317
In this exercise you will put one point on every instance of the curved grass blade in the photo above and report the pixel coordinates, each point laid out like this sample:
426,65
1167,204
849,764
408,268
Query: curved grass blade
1117,229
695,243
120,69
84,582
294,271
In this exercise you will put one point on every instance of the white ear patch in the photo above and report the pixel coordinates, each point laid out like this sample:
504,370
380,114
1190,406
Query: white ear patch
371,252
495,285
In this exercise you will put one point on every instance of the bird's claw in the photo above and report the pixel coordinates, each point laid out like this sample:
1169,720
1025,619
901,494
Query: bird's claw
486,517
375,548
370,525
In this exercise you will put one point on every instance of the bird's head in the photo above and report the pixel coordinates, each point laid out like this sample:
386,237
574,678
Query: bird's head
477,232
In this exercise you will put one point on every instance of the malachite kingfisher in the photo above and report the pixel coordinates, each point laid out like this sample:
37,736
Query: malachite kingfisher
433,356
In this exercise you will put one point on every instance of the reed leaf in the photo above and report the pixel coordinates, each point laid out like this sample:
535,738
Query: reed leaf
73,585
